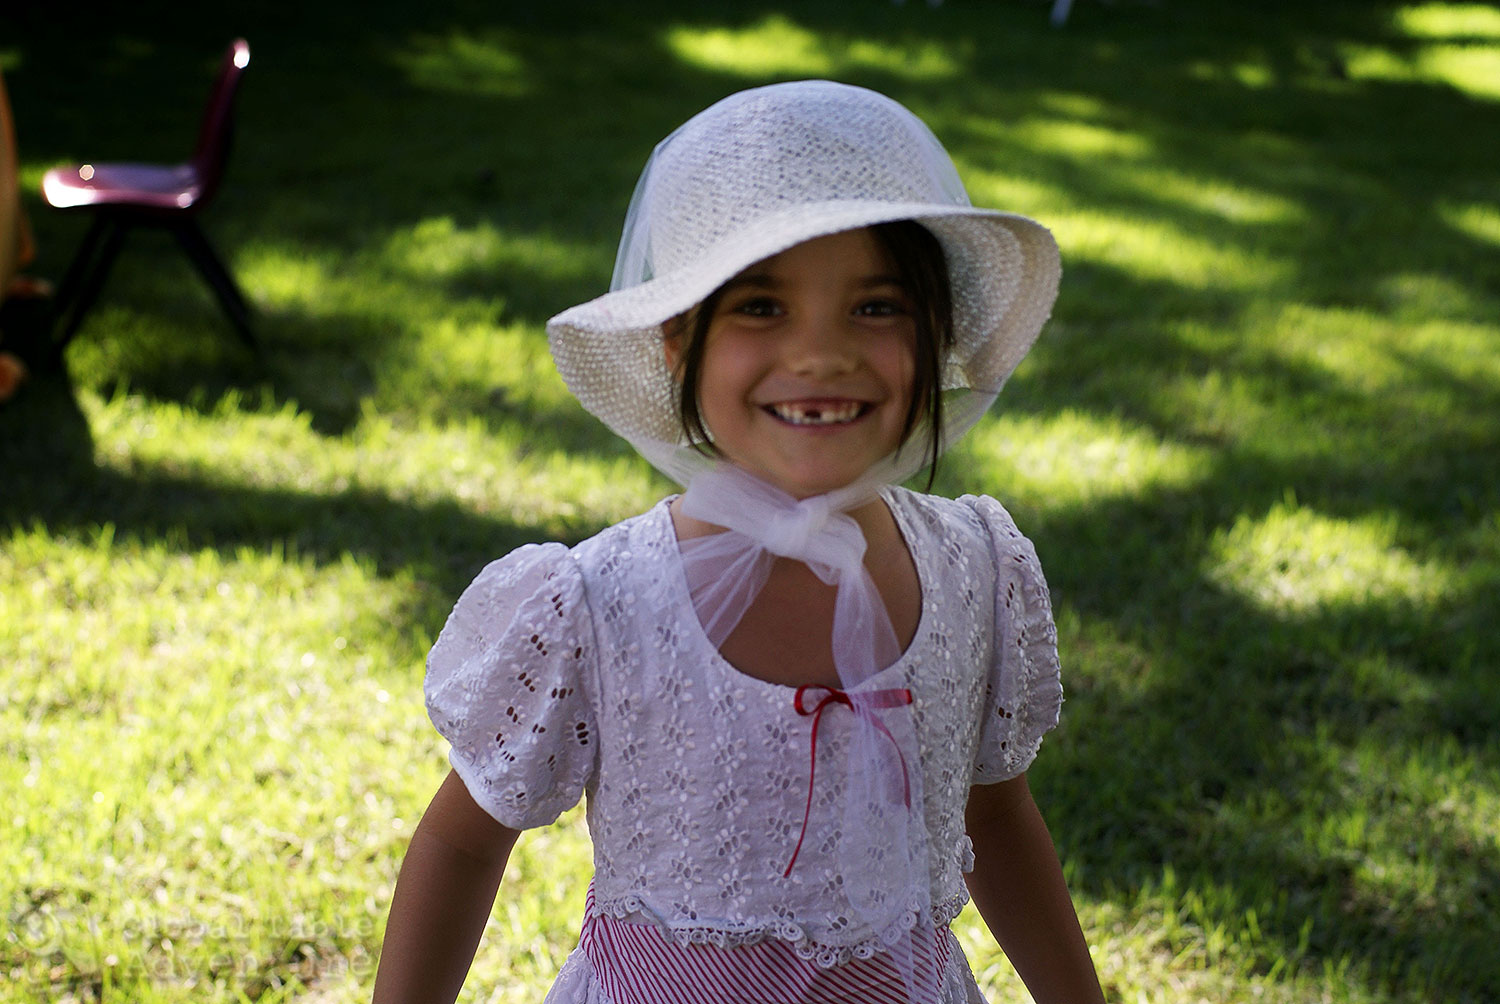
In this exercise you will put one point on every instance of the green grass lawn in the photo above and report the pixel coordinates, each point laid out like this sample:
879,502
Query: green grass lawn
1258,448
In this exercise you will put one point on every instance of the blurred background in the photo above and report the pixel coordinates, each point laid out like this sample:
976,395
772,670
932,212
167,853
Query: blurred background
1258,448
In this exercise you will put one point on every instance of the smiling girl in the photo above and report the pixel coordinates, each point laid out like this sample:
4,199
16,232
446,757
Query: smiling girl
800,699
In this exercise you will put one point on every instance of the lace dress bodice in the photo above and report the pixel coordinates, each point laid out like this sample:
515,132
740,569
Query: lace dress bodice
562,672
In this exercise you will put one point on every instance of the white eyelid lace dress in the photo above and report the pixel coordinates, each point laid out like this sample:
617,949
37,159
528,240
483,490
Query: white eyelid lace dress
714,798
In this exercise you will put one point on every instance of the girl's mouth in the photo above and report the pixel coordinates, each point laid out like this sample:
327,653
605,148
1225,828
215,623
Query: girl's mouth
818,412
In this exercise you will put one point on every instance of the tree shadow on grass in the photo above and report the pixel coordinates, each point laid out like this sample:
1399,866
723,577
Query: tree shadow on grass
45,443
304,162
1240,745
1239,756
68,495
53,479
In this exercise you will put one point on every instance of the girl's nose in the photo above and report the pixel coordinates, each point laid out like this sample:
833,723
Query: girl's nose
821,346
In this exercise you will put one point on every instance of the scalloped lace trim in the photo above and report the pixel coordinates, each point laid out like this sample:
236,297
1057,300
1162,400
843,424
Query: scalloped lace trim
825,954
965,854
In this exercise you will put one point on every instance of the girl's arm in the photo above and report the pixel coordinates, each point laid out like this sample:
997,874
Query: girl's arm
443,897
1017,885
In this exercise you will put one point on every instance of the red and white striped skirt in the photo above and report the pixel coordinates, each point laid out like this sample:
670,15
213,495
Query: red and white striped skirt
636,964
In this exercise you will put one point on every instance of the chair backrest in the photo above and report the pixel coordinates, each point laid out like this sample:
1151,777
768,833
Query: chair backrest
216,132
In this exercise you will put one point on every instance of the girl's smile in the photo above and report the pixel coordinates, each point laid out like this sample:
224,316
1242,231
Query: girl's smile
808,364
818,412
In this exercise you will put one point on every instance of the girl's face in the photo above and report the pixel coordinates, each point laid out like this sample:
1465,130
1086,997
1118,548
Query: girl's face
808,364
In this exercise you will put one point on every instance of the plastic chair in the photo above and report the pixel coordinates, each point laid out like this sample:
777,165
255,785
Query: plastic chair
123,196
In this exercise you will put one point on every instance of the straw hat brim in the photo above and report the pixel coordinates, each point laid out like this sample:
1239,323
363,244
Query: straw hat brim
1003,268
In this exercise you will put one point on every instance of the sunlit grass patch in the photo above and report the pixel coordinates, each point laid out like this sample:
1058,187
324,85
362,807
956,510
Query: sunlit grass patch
1353,347
159,695
279,277
1236,204
418,265
1252,75
1425,297
1373,844
1450,21
780,46
440,248
1155,249
1408,360
462,62
1080,139
1073,105
1378,381
422,320
1416,832
495,472
1137,174
1294,560
1470,69
1172,943
1074,459
1459,46
470,364
1012,192
321,283
1479,220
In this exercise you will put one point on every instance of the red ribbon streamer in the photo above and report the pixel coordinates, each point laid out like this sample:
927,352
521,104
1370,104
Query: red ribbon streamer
860,704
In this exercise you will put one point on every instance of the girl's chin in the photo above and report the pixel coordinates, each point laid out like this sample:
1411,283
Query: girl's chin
801,484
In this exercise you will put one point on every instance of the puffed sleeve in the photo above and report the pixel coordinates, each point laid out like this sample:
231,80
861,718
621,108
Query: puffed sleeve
1023,694
509,682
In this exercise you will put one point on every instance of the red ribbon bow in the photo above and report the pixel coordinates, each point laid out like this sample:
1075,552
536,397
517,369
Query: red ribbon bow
861,704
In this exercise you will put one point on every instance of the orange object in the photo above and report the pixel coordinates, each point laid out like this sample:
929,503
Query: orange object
12,375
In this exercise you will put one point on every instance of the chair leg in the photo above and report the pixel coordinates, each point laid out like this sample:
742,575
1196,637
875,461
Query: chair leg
85,277
78,270
190,236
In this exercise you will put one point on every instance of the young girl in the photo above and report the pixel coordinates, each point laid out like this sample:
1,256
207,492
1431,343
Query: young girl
801,700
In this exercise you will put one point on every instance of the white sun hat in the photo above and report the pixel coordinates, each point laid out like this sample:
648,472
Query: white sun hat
762,171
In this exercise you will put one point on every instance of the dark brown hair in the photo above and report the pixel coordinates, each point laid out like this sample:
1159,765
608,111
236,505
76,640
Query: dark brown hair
922,269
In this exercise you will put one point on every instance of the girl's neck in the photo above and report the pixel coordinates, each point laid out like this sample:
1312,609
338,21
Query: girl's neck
785,635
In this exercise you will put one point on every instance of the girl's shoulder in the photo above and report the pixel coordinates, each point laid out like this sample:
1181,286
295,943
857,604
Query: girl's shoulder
554,575
968,519
631,546
517,596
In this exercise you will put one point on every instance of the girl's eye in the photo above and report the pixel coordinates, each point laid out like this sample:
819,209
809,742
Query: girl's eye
881,308
757,306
